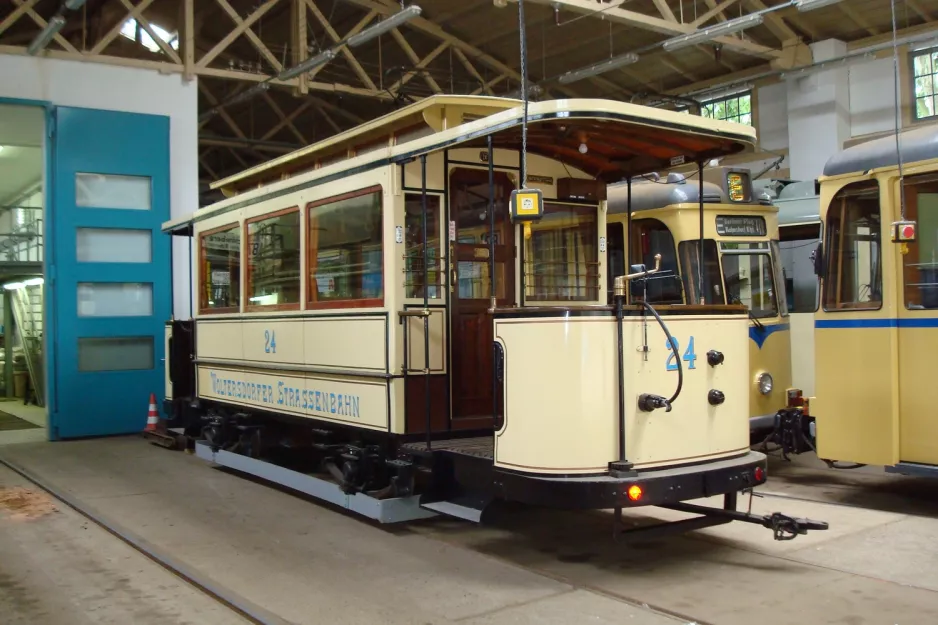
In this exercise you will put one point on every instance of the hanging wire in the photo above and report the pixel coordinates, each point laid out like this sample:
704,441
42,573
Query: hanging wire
898,107
524,95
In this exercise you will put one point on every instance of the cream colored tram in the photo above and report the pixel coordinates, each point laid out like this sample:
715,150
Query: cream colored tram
371,326
741,260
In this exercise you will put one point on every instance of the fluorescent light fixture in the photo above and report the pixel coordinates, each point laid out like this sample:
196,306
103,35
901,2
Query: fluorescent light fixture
599,68
309,64
12,286
42,39
384,26
1,148
810,5
33,282
710,33
74,5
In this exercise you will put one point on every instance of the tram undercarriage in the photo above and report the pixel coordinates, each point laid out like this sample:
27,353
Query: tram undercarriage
392,480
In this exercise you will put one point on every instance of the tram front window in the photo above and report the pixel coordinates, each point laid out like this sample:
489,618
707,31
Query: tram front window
650,237
689,252
750,279
920,264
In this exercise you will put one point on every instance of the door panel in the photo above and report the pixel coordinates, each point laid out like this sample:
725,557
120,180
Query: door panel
110,171
472,325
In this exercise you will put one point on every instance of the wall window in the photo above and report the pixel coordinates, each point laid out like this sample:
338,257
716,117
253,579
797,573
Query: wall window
925,82
651,237
220,272
413,238
274,261
853,275
920,265
561,257
735,108
345,250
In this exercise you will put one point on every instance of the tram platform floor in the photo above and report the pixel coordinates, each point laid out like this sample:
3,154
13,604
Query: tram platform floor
309,563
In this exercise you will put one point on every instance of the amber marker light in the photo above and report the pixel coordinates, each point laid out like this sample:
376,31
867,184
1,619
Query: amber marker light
635,492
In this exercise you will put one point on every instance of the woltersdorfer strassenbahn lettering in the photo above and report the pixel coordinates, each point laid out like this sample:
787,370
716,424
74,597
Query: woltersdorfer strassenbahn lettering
360,402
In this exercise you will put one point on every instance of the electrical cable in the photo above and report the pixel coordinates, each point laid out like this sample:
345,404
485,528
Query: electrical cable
898,108
673,344
524,95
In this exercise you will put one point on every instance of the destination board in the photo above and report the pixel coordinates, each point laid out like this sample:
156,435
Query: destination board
740,226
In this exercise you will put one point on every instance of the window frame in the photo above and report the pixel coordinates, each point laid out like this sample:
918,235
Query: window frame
828,251
636,225
913,98
813,244
374,302
737,118
913,214
246,242
204,309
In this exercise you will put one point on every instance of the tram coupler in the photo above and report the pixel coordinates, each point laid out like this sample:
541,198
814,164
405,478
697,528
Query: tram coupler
783,527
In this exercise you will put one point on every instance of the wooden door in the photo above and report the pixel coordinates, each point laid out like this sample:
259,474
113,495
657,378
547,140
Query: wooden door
472,325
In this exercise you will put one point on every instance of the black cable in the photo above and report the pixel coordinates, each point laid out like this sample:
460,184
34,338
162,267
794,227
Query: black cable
671,342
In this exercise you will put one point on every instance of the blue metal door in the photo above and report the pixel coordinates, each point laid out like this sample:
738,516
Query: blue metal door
108,268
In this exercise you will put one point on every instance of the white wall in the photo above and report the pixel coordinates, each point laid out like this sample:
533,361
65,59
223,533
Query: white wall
872,97
98,86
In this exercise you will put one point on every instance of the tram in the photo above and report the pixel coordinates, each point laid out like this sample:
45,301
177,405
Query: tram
741,264
875,326
410,318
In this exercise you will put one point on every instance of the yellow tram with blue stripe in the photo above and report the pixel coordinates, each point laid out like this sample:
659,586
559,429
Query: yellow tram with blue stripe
877,322
738,236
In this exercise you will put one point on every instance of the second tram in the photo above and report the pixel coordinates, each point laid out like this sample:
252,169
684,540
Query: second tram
741,264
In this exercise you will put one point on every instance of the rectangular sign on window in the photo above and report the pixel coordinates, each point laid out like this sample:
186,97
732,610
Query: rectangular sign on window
740,226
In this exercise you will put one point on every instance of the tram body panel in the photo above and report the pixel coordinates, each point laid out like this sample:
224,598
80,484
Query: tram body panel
802,352
560,392
918,392
770,351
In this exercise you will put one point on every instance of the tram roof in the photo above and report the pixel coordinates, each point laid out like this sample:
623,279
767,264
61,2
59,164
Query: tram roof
918,144
623,140
650,195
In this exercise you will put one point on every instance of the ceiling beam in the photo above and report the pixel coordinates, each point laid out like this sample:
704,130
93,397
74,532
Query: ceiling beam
912,4
409,51
349,57
715,10
251,35
288,119
226,41
136,13
418,67
860,21
665,10
774,23
59,39
661,26
17,13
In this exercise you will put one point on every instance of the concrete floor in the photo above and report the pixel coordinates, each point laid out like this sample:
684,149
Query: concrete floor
303,560
57,568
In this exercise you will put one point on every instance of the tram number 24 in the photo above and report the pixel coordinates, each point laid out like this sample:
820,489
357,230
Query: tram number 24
270,342
690,356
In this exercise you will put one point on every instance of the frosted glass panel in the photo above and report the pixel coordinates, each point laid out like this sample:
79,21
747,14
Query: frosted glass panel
108,191
124,353
113,245
115,299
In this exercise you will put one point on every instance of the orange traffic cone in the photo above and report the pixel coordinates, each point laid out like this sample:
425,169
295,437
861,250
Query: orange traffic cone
153,417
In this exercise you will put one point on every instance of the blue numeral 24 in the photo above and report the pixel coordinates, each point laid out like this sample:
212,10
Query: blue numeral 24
270,342
689,355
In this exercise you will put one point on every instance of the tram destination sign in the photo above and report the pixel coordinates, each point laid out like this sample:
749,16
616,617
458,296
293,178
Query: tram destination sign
740,226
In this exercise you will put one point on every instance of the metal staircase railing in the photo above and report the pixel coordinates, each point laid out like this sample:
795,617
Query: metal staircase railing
27,313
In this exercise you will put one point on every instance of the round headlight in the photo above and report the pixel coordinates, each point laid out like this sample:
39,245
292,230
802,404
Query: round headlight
765,383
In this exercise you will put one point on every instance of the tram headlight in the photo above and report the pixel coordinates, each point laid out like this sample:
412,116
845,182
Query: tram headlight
765,383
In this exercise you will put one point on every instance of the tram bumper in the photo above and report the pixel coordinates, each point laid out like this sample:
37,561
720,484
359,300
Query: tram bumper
656,487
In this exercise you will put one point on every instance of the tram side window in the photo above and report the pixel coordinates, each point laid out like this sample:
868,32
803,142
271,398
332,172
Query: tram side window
561,257
689,253
796,248
413,226
274,260
220,251
345,251
651,237
750,279
853,276
920,265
